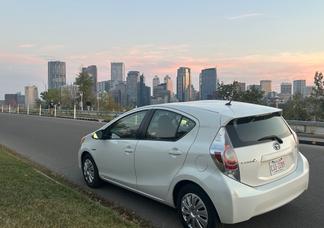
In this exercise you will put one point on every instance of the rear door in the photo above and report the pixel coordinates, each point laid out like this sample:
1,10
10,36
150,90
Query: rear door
265,148
162,151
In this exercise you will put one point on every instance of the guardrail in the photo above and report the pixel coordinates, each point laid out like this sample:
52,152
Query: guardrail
302,128
63,113
308,128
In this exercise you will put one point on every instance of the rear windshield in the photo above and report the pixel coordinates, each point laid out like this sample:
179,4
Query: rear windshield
249,130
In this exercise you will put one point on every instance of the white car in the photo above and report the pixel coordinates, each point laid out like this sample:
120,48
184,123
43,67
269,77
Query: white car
216,162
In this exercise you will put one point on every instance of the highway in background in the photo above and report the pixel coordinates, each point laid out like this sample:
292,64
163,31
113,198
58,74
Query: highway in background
54,143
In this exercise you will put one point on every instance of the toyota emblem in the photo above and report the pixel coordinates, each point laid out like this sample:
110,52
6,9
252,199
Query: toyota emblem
276,146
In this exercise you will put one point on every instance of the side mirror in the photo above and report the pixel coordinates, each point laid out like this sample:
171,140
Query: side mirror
97,134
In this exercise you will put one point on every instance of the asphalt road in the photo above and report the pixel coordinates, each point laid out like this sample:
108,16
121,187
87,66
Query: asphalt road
54,142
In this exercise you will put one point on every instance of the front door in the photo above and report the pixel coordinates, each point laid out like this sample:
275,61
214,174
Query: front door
116,152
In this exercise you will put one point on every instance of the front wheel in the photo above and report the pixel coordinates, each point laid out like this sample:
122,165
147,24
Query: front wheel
90,172
195,209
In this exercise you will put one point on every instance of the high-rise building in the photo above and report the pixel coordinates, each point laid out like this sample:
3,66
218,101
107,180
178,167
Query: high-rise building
31,95
299,87
208,84
118,93
92,72
117,71
133,77
56,74
161,94
286,88
104,86
309,90
143,93
169,84
184,84
266,86
11,99
156,81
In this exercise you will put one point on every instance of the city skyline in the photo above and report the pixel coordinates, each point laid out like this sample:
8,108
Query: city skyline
246,41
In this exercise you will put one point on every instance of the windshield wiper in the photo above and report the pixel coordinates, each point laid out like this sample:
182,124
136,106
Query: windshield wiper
271,137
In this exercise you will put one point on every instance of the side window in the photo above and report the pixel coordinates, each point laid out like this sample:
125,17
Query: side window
185,126
166,125
126,128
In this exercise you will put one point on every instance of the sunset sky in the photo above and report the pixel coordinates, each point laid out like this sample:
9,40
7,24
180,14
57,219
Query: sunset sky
247,40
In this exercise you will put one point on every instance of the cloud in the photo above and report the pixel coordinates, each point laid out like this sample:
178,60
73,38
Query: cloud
243,16
26,45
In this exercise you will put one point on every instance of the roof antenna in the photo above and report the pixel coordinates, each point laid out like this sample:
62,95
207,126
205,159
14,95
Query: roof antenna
230,99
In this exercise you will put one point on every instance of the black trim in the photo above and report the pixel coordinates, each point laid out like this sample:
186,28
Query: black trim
149,119
145,123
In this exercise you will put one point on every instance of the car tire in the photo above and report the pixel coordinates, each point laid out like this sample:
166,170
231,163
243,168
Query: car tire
90,172
194,206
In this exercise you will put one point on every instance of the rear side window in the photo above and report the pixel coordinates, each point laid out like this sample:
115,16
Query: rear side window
166,125
249,130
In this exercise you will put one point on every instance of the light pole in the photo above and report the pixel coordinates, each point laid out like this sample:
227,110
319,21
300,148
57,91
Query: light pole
81,102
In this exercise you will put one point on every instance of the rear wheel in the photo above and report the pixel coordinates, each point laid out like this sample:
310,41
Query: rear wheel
90,172
195,209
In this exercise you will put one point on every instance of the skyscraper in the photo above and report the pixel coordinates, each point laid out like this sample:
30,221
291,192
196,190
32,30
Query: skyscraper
56,74
184,84
299,87
133,77
208,83
156,81
92,72
117,71
169,84
286,88
31,95
266,86
143,93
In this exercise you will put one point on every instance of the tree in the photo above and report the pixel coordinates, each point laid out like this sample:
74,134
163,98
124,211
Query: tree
317,97
107,103
296,108
85,82
228,91
253,95
52,95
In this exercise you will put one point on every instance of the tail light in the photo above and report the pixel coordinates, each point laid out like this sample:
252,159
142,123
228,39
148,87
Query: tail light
224,156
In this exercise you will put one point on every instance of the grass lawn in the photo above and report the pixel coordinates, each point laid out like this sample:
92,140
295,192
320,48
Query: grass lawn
30,199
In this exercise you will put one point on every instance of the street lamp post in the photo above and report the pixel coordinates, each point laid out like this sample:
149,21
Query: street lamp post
81,102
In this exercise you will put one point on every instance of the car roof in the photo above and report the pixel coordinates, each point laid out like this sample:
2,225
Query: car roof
227,112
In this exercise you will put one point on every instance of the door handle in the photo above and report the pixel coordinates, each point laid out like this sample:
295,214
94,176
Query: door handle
175,152
128,150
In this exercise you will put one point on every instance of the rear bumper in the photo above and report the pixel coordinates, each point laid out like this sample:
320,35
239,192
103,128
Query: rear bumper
251,201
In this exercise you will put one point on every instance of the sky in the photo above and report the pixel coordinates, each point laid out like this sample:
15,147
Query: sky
247,40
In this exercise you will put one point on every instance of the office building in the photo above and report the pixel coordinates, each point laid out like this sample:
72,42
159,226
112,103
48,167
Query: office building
143,93
92,72
31,96
286,88
133,77
208,84
156,81
56,74
117,72
119,93
169,84
299,87
266,86
104,86
184,84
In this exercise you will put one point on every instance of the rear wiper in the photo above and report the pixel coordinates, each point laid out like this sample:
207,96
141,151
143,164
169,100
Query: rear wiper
271,137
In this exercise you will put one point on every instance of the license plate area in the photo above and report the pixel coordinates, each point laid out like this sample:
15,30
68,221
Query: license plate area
277,165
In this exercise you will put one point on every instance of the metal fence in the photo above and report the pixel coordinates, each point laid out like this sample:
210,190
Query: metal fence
62,113
307,128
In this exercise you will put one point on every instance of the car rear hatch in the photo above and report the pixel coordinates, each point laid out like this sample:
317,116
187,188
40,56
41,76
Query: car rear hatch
265,148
